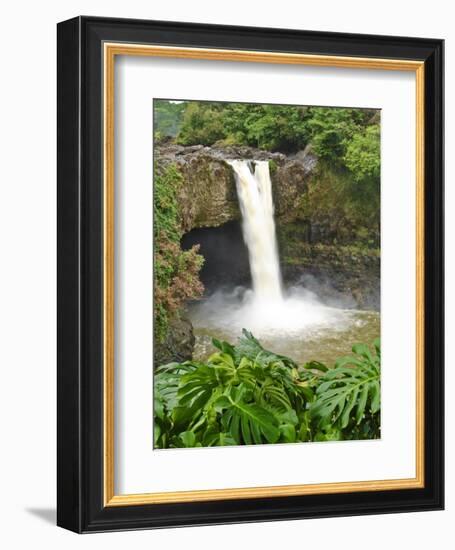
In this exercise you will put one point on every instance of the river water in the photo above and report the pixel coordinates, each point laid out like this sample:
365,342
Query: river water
299,327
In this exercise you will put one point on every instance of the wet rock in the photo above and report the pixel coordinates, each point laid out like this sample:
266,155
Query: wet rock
208,196
343,278
179,343
289,183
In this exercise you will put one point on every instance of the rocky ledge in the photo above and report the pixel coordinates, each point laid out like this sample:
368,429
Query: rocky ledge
208,196
343,276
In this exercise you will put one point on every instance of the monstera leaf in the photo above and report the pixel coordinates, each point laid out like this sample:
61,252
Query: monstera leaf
350,389
248,346
247,395
166,381
247,423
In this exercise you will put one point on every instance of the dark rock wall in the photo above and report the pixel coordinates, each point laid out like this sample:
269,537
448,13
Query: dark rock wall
340,275
226,255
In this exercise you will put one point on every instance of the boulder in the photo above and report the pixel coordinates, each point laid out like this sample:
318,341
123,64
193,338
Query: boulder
179,343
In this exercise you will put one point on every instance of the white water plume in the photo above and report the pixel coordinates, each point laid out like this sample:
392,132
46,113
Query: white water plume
254,191
299,312
266,309
298,326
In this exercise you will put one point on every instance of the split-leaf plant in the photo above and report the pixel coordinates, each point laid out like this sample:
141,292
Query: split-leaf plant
247,395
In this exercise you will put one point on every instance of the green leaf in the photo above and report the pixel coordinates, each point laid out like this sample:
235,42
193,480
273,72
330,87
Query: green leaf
377,346
363,350
182,415
188,438
248,346
246,394
362,403
215,438
157,433
221,403
288,434
375,392
159,406
225,347
304,433
331,434
351,402
345,390
289,416
217,344
251,423
316,365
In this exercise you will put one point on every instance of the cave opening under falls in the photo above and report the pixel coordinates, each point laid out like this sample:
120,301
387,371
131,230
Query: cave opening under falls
294,321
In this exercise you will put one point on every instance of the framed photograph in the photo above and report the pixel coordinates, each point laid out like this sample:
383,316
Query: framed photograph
250,274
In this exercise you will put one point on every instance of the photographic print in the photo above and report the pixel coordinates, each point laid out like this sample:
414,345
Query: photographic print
266,273
250,260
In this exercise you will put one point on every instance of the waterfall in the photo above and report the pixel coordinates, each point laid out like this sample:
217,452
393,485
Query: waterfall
281,319
254,191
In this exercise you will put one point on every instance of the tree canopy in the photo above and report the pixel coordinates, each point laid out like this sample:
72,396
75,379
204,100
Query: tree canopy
348,138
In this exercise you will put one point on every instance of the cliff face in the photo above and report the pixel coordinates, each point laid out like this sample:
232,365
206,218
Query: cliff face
207,202
315,239
317,246
208,197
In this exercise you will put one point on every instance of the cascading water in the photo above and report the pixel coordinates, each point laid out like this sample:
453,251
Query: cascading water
254,191
291,321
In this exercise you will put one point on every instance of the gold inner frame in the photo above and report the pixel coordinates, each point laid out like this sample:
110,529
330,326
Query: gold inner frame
109,52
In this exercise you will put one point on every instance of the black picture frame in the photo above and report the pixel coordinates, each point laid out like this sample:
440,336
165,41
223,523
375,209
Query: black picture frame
80,474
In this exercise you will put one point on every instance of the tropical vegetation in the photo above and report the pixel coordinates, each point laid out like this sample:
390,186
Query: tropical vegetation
244,394
346,141
175,270
247,395
347,137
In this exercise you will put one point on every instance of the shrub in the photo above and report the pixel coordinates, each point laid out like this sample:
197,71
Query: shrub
246,395
202,124
273,167
168,117
362,156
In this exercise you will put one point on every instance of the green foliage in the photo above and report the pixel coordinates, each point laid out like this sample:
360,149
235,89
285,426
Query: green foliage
349,137
362,156
273,167
349,392
272,127
246,395
202,124
168,118
165,208
346,140
175,271
347,209
349,141
331,129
